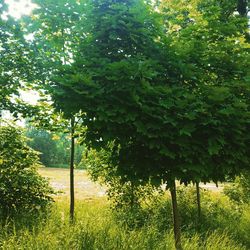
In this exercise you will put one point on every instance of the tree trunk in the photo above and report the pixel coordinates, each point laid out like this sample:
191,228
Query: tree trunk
242,7
72,153
176,218
198,200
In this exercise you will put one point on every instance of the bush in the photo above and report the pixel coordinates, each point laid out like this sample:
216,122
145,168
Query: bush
239,190
22,189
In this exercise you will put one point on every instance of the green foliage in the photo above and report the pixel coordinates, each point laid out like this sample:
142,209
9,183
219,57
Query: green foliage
125,195
175,104
42,142
53,146
22,189
239,190
15,64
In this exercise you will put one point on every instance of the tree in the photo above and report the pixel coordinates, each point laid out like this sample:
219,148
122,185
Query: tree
42,141
22,189
175,104
54,146
49,120
213,29
54,26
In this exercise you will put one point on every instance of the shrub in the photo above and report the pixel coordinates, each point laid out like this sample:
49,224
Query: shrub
239,190
21,187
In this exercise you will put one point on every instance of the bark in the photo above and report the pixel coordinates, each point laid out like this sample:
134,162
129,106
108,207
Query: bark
242,7
72,153
198,200
176,218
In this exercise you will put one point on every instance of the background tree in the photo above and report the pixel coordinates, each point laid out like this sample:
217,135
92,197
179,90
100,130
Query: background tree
53,146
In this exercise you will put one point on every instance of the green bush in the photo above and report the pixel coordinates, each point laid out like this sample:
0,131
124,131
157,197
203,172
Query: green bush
239,190
22,189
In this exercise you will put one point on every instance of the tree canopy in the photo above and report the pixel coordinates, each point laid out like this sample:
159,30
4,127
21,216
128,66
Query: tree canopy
176,103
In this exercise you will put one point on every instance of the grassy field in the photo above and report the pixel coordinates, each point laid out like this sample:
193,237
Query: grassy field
224,226
84,187
97,228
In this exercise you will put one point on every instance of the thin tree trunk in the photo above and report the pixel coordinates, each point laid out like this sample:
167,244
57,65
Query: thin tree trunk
132,196
72,153
242,7
176,218
198,199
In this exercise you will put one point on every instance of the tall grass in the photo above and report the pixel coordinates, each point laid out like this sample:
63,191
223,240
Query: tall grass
97,227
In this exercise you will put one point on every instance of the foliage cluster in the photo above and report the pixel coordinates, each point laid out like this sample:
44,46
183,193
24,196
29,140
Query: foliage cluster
239,190
16,69
173,101
22,189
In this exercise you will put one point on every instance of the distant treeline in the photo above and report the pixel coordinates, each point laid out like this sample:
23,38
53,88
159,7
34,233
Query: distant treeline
54,148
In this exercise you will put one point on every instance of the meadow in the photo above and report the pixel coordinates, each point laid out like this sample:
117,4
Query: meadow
224,225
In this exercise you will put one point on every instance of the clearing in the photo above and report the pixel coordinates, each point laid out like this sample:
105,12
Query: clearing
84,187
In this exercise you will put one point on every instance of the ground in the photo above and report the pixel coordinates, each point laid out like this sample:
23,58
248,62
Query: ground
84,187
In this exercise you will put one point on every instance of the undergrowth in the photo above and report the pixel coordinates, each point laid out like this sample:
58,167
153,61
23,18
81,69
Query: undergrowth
96,226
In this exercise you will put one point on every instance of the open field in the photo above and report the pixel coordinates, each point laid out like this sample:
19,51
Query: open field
84,187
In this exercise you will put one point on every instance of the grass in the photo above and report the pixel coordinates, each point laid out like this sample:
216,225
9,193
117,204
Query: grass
84,188
96,227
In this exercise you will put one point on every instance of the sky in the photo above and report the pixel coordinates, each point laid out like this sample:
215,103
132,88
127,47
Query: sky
17,8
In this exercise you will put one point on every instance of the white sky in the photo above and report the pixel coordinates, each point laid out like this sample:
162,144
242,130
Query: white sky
17,8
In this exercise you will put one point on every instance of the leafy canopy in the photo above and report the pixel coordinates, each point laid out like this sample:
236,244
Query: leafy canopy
170,88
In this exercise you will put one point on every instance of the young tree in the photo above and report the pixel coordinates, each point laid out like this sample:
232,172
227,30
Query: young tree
176,104
49,120
53,26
